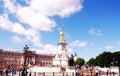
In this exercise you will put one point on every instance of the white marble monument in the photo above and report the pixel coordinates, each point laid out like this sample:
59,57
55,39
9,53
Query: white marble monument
61,57
59,61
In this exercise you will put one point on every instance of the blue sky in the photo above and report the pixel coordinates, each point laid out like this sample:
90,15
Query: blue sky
90,26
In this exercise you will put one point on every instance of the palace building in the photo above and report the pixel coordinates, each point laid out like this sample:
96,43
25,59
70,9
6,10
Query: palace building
30,58
16,59
10,58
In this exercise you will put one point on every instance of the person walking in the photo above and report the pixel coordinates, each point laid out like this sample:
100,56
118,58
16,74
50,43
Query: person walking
14,72
96,72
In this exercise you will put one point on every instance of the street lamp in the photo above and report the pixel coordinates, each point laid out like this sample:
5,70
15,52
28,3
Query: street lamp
24,71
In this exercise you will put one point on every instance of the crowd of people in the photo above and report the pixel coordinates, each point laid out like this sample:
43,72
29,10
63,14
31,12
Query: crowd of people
86,71
8,72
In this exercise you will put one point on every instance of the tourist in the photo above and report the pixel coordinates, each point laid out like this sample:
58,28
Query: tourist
3,72
96,72
24,72
77,70
0,72
14,71
6,72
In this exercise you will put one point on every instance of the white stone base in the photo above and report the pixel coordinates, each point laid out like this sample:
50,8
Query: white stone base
44,69
48,69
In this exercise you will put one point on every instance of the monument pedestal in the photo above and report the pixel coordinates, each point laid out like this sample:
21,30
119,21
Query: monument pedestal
61,58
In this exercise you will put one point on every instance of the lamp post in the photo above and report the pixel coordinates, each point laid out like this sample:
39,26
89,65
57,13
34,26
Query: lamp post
24,71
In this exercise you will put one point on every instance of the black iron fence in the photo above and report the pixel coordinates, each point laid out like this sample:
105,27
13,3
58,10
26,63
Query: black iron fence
47,74
100,73
63,74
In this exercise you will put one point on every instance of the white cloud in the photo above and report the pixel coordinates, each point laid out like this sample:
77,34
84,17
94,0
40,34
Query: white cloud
35,20
37,16
95,32
8,49
109,47
116,50
38,13
37,50
61,8
9,6
51,49
36,41
69,49
16,39
6,24
30,34
79,43
48,49
59,29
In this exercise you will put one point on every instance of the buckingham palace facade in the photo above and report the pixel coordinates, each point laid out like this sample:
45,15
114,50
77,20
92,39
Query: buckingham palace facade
16,59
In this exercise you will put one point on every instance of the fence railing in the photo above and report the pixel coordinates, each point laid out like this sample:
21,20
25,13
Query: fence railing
48,74
64,74
97,74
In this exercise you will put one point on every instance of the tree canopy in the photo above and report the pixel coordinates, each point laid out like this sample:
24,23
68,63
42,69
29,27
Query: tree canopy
116,59
92,62
79,61
105,59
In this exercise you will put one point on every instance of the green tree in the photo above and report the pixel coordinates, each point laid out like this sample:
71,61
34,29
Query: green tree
79,61
91,62
116,59
104,59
